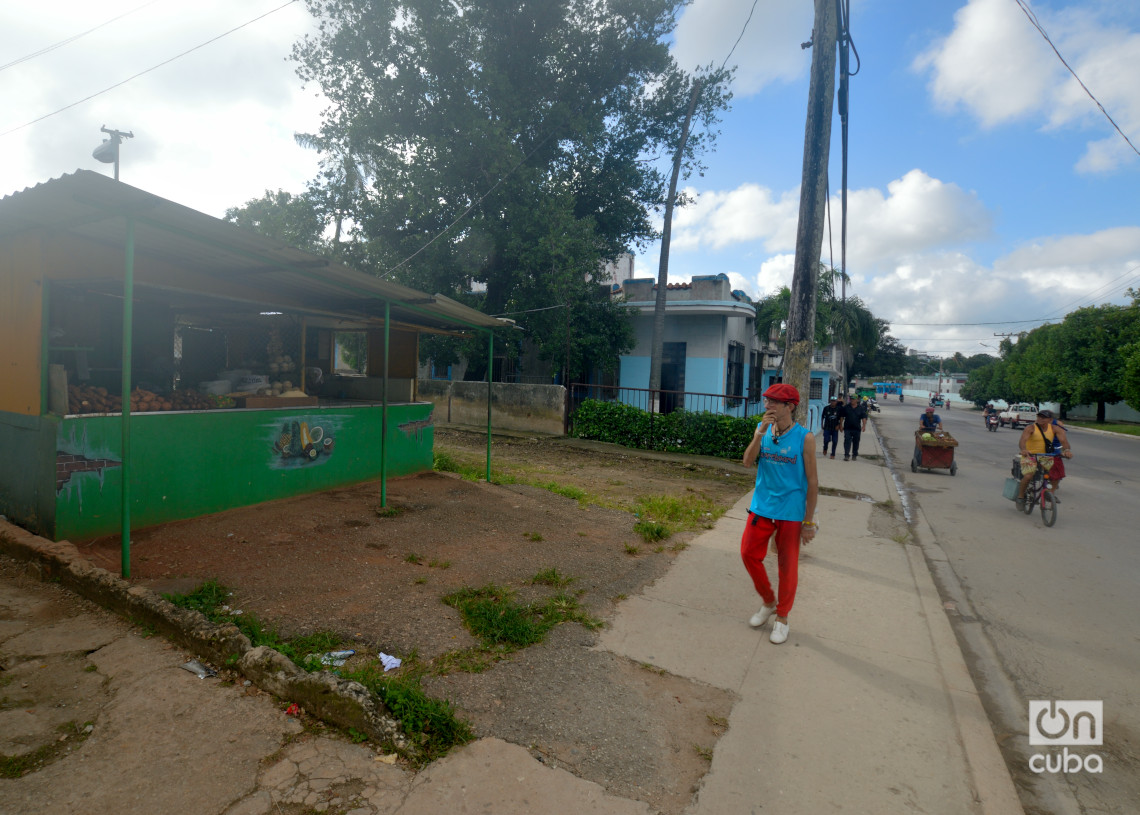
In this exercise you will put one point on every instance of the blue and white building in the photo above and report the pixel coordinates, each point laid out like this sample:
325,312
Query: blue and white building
712,356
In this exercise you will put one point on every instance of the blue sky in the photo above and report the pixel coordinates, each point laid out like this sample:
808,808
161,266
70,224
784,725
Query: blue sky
984,184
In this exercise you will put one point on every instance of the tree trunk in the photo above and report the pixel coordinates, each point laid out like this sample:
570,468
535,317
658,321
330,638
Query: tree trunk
813,201
1100,406
657,347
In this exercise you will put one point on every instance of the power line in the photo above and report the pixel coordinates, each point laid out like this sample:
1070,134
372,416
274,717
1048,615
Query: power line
148,70
1033,19
72,39
964,325
1093,293
742,30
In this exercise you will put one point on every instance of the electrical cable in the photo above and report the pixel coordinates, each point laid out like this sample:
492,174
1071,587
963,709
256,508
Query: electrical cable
742,30
72,39
148,70
1093,294
1033,19
529,310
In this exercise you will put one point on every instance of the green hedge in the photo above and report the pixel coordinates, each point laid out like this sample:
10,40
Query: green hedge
699,434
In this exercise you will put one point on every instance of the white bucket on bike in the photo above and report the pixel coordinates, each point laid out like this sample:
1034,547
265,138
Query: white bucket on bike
1009,490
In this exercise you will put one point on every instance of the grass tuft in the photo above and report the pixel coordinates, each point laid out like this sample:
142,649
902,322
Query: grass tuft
651,531
551,577
491,614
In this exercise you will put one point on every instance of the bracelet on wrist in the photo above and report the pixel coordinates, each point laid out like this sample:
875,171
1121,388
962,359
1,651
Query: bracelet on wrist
812,524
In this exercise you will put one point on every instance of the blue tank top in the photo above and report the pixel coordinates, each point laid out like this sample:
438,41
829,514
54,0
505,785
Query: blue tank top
781,485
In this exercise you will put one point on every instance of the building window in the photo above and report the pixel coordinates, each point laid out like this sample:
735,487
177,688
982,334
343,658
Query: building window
755,376
822,356
735,384
815,391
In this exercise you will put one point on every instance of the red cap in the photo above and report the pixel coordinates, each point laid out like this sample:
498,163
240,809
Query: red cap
930,410
782,392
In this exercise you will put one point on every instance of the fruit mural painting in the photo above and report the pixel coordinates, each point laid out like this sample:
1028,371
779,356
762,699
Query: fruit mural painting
298,442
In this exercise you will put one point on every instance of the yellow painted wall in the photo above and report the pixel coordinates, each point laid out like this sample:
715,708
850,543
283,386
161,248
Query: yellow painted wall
21,312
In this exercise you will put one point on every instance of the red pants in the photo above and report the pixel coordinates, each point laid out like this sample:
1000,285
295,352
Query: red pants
754,547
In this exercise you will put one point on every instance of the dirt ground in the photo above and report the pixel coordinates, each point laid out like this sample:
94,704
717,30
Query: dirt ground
340,561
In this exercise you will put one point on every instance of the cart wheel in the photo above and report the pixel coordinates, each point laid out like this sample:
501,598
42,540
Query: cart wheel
913,466
954,468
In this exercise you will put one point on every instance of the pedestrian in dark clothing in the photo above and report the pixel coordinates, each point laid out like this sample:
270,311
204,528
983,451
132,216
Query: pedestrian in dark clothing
829,423
852,422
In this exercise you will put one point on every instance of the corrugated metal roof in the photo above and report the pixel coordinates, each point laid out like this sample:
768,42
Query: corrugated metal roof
255,269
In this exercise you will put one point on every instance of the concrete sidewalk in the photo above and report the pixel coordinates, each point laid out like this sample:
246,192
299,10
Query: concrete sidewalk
867,708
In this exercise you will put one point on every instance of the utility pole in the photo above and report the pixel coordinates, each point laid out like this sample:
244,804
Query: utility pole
657,347
813,200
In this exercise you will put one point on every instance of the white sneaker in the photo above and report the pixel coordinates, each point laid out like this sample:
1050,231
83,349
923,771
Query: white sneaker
761,616
779,632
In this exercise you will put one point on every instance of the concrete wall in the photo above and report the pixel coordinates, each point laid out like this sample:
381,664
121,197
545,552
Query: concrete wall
528,408
1115,412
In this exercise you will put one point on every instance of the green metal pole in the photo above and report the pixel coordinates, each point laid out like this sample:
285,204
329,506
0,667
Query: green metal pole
384,411
128,320
490,369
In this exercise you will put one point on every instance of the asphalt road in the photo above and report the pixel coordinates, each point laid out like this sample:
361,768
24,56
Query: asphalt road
1059,605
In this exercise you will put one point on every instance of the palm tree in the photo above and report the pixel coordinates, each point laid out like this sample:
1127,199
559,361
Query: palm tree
847,323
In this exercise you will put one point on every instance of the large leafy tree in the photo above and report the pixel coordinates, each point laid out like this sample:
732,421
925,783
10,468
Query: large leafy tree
504,146
292,219
1092,365
888,359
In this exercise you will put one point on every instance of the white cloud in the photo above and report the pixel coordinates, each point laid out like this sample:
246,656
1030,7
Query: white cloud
918,214
996,66
993,63
909,259
748,213
1043,279
212,129
769,51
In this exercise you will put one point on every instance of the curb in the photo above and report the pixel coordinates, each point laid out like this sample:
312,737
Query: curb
323,694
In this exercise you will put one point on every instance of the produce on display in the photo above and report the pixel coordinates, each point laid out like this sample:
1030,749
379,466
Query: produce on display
91,399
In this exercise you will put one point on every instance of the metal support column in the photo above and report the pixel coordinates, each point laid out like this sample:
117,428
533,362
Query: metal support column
384,410
490,370
128,321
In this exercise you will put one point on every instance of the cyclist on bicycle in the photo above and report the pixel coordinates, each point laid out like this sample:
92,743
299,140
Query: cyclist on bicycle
1037,440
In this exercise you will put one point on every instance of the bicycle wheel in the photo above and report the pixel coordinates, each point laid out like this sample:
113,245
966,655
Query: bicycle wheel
1048,508
1030,498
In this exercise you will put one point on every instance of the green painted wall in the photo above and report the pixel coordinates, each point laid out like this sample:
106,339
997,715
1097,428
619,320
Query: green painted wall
27,470
190,464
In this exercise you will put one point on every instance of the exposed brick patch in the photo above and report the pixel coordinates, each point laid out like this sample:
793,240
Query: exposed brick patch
68,463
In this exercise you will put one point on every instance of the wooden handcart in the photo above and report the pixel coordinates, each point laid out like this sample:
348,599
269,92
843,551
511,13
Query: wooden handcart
934,453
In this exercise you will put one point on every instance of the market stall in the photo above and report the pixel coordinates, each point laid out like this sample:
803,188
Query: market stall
251,371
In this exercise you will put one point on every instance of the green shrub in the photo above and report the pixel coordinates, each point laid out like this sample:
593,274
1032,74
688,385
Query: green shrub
699,434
